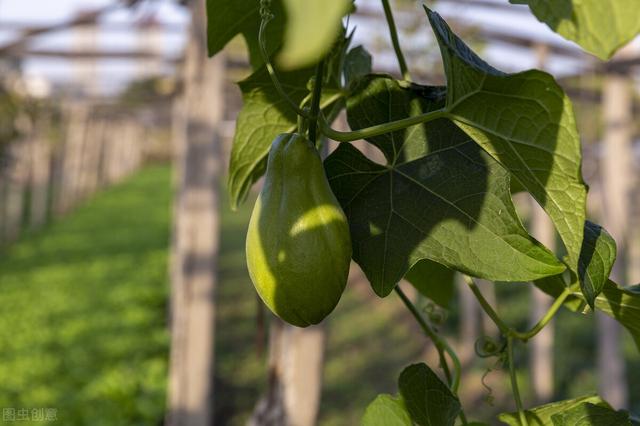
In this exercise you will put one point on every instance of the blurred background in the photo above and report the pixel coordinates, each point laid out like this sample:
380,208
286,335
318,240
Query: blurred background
115,133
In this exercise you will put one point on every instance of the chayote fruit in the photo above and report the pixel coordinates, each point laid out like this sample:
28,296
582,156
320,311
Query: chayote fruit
298,245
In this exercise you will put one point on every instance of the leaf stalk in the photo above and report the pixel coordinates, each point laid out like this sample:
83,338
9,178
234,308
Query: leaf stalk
379,129
506,329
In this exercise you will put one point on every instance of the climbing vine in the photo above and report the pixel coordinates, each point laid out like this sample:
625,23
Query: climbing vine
442,199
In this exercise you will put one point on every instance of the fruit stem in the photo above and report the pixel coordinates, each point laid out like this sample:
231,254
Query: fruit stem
315,102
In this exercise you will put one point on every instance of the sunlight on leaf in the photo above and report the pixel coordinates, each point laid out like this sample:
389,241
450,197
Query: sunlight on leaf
440,197
526,122
541,416
386,410
599,27
312,27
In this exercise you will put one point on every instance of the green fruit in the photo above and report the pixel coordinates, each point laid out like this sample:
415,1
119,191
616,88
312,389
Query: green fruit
298,245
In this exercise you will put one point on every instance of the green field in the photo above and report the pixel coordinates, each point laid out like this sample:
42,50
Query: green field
83,302
83,327
83,324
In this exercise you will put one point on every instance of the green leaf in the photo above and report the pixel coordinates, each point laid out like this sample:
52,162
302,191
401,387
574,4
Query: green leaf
228,18
596,260
623,304
313,26
600,27
357,64
526,122
439,197
594,265
386,410
555,285
433,280
428,400
541,416
263,116
587,414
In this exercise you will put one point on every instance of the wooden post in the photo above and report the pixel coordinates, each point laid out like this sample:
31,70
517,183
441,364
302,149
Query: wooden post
296,360
40,176
72,161
15,189
197,228
88,180
616,177
86,70
106,154
541,352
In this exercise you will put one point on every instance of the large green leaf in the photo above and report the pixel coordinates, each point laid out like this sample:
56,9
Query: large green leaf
439,196
541,416
526,122
600,27
587,414
313,26
386,410
228,18
596,260
428,400
434,281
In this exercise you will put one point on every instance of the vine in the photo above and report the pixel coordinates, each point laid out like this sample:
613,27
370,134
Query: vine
456,148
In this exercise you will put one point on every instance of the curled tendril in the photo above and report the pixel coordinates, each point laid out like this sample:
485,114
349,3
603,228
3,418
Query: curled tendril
489,398
486,347
266,16
436,315
265,10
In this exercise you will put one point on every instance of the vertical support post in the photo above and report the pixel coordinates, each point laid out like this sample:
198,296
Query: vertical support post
616,174
196,235
15,189
40,176
541,352
541,346
73,145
